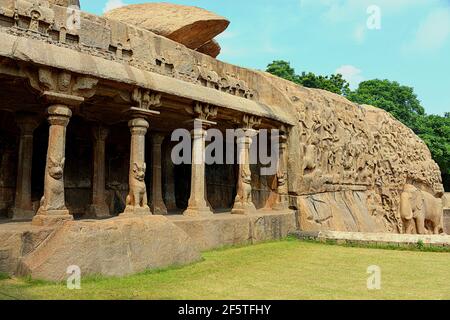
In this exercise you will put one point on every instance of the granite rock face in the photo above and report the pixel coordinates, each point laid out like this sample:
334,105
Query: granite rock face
114,247
349,164
191,26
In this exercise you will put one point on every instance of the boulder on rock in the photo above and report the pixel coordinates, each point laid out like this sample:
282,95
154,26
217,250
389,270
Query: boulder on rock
191,26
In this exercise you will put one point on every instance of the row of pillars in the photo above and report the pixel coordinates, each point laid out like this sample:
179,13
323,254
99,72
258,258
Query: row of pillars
53,207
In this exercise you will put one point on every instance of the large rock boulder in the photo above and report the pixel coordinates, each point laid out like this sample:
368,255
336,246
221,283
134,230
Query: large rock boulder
114,247
191,26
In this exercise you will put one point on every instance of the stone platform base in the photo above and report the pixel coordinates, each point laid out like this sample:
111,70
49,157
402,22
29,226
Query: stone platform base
374,238
128,244
218,230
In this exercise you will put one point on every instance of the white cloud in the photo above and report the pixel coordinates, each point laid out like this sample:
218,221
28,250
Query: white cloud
352,74
433,31
113,4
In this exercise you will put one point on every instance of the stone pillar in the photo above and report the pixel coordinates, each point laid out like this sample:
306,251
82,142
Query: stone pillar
158,205
137,203
243,203
282,202
53,207
198,205
23,206
99,208
169,180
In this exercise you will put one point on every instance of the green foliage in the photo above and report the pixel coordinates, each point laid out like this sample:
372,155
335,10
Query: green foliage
334,83
399,100
283,70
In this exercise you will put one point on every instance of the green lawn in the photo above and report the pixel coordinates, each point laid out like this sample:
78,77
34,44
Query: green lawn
288,269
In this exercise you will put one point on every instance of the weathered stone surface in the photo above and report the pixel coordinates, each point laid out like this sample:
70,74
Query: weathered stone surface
191,26
17,240
343,210
224,229
65,3
447,221
346,147
375,238
211,48
446,200
114,247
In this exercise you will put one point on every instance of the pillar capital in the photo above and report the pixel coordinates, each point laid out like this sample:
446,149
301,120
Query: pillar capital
245,136
251,121
100,132
27,123
59,115
61,86
158,139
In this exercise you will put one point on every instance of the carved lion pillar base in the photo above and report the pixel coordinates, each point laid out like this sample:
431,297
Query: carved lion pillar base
53,207
137,201
244,203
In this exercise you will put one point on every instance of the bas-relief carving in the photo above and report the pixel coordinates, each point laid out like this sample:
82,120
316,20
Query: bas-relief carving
340,149
114,40
61,85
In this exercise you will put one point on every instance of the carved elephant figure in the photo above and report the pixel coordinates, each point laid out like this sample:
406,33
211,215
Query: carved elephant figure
421,207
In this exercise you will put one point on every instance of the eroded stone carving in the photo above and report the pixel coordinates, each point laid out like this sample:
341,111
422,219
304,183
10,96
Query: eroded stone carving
138,190
417,208
62,86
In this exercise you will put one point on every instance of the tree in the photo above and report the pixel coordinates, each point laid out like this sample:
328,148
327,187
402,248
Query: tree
334,83
400,101
283,70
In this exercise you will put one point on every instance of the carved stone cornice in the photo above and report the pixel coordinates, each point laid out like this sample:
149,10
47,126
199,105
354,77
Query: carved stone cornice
146,99
62,87
250,122
203,111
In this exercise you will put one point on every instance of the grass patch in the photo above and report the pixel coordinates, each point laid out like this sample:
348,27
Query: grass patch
3,276
418,247
288,269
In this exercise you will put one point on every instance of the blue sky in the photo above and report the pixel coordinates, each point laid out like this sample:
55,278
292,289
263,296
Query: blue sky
325,36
